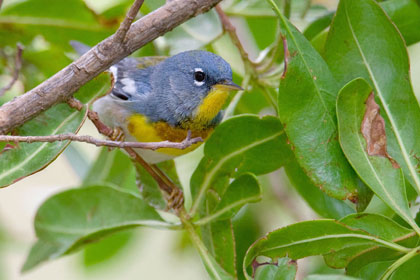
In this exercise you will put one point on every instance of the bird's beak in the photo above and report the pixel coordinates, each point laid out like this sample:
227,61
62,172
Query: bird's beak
227,85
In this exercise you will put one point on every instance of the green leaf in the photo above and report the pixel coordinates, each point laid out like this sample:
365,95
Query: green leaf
363,42
329,277
149,188
241,191
376,171
408,269
57,21
404,13
322,204
28,158
312,238
306,104
62,228
285,269
112,167
241,144
374,224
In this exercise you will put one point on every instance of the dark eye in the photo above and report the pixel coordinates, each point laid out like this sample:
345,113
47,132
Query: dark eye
199,76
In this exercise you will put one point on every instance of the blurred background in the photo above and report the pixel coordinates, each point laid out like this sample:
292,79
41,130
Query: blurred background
45,27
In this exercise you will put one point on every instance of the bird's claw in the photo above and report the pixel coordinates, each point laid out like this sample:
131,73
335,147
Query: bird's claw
175,200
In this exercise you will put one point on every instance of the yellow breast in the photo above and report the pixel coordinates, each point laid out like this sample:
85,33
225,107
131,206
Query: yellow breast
144,131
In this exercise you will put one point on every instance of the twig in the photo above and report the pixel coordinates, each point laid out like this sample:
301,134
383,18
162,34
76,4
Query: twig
18,66
121,33
231,30
100,142
63,84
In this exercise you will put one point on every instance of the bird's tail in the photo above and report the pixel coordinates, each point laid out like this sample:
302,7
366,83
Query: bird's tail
79,47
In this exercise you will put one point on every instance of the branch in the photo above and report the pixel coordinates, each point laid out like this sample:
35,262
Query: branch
100,142
63,84
121,33
18,65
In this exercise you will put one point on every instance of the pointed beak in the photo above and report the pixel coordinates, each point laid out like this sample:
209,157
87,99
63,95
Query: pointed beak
227,85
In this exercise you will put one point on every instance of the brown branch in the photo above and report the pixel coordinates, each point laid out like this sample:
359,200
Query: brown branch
63,84
100,142
121,33
231,30
18,66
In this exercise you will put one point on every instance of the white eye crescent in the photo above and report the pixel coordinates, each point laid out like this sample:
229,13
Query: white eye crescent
199,77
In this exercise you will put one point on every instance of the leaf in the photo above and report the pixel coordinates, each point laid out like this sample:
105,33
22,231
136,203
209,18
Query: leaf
285,269
407,269
312,238
329,277
28,158
241,191
62,228
306,104
241,144
57,21
374,224
364,43
112,167
149,188
404,13
322,204
378,172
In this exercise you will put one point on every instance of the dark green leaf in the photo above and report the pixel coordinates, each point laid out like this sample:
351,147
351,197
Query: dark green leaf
306,105
26,159
312,238
239,145
329,277
363,42
408,269
62,228
377,172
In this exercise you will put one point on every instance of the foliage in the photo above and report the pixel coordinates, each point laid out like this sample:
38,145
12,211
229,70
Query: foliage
333,106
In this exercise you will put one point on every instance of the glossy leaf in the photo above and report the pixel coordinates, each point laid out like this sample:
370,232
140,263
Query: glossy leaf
284,269
377,172
306,104
62,228
407,269
322,204
363,42
28,158
374,224
312,238
239,145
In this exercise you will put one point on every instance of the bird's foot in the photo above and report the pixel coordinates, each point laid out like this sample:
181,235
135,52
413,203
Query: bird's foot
175,200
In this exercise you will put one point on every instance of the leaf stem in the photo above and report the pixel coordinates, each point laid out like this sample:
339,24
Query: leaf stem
390,270
201,248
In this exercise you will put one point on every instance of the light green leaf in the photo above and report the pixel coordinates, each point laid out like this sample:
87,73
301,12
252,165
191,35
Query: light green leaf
28,158
363,42
376,171
312,238
57,21
285,269
62,228
408,269
241,191
306,104
239,145
329,277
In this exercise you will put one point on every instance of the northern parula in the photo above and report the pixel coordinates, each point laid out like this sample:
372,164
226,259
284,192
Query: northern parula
162,98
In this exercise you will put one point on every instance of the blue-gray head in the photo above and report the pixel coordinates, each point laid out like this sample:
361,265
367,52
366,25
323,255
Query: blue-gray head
183,82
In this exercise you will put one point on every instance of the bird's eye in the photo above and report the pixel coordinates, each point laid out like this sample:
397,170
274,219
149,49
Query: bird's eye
199,76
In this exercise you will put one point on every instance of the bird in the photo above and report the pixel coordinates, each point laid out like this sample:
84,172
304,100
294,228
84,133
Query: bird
157,99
